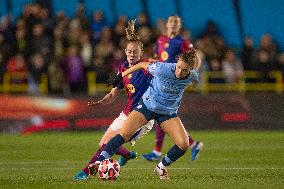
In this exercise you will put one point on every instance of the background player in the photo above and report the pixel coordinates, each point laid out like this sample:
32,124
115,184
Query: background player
135,84
167,48
160,102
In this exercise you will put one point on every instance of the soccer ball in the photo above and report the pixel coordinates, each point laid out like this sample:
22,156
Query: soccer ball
109,169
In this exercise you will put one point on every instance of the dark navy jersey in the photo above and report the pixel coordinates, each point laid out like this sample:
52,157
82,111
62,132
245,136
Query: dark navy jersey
135,85
167,49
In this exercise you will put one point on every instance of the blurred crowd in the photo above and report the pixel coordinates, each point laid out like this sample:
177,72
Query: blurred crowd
66,49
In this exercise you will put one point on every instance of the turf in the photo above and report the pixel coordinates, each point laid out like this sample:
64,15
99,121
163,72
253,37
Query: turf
230,159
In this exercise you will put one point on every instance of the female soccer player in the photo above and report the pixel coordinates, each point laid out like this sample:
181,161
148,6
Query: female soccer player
168,47
136,84
160,102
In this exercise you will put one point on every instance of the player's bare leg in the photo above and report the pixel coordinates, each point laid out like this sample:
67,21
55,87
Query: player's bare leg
179,136
134,121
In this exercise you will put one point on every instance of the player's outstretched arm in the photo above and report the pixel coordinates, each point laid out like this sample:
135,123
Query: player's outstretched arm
107,99
141,65
114,81
197,64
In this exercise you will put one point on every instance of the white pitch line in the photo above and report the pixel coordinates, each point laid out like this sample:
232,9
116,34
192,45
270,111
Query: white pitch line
178,168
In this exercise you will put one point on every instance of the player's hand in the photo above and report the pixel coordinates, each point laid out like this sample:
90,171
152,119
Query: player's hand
114,80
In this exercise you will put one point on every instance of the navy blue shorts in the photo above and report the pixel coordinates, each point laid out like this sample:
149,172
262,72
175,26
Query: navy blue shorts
160,118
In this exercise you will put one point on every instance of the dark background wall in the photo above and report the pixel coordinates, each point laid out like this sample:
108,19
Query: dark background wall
214,111
235,18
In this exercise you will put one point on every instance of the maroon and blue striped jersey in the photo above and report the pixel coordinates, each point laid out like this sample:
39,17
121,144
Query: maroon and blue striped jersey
167,49
135,85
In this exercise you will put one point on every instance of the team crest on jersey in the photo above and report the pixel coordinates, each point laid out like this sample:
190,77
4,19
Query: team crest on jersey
164,56
129,76
130,88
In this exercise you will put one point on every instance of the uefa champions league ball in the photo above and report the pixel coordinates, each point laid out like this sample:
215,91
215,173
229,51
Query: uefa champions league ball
109,169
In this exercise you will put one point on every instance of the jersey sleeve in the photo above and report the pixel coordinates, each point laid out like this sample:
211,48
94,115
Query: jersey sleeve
154,69
120,85
185,46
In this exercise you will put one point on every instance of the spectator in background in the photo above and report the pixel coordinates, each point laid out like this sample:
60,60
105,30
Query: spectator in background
31,16
118,32
6,28
37,68
103,53
145,33
54,69
211,43
81,18
266,56
232,67
142,21
46,20
105,46
263,64
20,42
47,4
40,42
59,43
220,47
61,20
97,26
73,32
72,66
207,46
215,65
247,54
2,67
17,65
86,50
211,30
160,28
116,60
5,47
101,69
267,44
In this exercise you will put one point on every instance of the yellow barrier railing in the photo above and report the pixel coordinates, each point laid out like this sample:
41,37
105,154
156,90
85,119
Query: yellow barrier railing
9,85
205,86
242,86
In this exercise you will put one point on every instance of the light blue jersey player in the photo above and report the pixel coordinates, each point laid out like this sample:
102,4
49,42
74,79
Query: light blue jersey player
160,102
168,46
165,91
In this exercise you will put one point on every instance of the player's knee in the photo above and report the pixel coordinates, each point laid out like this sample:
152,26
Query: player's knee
183,144
125,135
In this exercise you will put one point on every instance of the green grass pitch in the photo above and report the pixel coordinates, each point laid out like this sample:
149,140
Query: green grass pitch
230,159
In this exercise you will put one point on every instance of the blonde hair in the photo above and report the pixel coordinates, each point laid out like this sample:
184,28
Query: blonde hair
131,34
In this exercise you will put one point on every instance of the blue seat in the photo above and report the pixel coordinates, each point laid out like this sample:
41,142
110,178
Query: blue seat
197,13
17,7
130,8
69,7
101,5
160,9
261,17
3,8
